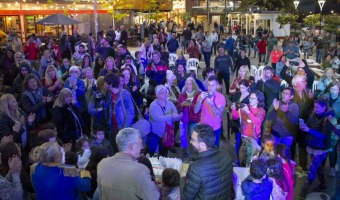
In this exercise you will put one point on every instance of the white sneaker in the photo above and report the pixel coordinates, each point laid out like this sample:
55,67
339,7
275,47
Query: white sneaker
332,172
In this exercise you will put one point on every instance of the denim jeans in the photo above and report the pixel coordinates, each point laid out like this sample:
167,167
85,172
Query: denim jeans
184,134
207,56
316,168
269,50
319,55
217,135
262,57
152,142
226,78
238,143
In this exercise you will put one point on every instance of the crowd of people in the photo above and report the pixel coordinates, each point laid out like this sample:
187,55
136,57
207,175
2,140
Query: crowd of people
70,113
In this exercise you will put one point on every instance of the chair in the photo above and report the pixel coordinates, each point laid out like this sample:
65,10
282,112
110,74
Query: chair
172,59
192,64
315,85
260,70
253,69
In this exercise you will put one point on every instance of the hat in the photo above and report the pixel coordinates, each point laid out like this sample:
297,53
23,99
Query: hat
25,65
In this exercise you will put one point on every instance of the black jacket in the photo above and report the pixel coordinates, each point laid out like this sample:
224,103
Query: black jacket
270,89
319,135
288,78
69,125
209,177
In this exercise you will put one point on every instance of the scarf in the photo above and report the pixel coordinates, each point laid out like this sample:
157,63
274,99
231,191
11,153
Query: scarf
37,95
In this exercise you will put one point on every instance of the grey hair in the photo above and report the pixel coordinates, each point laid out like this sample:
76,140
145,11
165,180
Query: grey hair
297,78
74,68
159,88
127,136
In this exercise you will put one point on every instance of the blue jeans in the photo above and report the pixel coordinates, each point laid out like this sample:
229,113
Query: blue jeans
238,142
207,56
316,168
185,131
319,55
288,141
217,135
152,142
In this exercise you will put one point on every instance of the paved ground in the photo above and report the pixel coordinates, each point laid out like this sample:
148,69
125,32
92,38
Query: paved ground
333,183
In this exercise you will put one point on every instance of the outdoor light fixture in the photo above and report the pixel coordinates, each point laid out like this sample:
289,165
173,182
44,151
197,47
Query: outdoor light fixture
296,4
321,3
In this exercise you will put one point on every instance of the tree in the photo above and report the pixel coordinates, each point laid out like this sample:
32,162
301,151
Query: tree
270,5
117,9
284,19
332,24
153,7
312,20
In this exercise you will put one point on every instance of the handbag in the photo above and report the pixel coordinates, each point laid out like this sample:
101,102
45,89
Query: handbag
141,124
168,139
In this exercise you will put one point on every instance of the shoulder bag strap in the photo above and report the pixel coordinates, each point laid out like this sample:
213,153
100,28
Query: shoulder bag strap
124,109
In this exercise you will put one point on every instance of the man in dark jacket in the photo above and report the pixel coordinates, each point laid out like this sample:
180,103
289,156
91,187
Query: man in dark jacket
173,44
123,36
240,61
187,38
283,117
111,35
75,37
210,176
222,67
267,85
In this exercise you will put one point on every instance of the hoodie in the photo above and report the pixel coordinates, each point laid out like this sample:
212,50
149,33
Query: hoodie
256,191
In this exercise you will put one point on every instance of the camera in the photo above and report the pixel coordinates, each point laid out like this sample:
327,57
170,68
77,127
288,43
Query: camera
294,63
239,105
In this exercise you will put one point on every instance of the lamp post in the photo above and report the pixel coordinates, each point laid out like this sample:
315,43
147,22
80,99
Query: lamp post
296,4
321,4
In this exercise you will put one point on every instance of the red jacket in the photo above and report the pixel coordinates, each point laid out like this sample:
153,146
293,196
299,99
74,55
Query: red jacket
189,116
276,56
31,51
262,46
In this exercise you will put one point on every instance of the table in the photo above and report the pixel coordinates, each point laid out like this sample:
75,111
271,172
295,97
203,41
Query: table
313,64
319,73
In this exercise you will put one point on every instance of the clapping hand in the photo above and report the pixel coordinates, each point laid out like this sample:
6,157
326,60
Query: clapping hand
48,99
16,127
6,139
14,164
284,108
31,118
276,104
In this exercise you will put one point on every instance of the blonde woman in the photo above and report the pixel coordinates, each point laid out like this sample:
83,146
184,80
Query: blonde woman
109,67
243,74
51,80
13,121
67,119
327,78
186,102
63,182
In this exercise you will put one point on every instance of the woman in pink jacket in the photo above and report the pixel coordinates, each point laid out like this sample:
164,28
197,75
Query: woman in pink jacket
275,55
251,117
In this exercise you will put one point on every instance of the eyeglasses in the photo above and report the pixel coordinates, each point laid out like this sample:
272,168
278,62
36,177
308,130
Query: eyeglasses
73,71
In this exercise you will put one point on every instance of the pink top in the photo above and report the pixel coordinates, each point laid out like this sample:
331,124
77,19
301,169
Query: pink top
288,172
251,123
276,56
207,114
